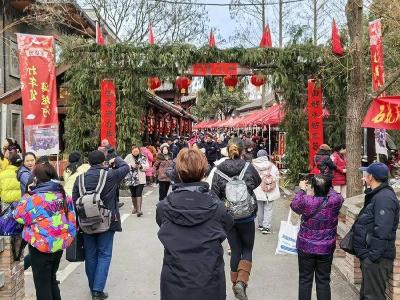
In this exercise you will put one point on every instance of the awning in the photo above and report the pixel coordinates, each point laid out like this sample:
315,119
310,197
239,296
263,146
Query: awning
248,120
274,116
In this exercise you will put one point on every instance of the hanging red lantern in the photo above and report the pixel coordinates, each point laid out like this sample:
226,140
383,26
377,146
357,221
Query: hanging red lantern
257,81
153,83
231,81
182,83
151,122
167,124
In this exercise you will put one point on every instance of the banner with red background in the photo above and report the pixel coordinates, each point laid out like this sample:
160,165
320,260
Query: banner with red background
376,47
215,69
384,113
39,93
315,119
108,111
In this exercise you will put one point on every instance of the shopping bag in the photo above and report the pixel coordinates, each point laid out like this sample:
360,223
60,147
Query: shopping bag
76,251
287,237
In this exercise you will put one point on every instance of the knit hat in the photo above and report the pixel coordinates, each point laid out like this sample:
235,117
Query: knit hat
261,153
75,156
96,157
164,145
325,147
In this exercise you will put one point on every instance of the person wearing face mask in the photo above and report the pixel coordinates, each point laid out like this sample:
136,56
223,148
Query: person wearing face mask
374,232
339,174
163,162
136,179
25,171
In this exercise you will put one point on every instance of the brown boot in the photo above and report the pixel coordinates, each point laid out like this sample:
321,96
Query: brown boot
244,270
134,203
234,276
139,206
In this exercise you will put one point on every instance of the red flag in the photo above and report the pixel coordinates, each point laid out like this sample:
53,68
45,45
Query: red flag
211,40
151,35
337,47
99,35
266,40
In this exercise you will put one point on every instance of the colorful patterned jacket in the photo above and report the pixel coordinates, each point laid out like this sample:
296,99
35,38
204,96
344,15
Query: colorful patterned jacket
317,234
46,226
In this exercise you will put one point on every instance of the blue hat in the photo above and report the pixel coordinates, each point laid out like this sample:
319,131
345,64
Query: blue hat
378,170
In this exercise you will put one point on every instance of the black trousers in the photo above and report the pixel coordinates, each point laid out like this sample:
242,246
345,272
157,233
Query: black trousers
137,190
320,265
163,188
44,269
241,240
374,278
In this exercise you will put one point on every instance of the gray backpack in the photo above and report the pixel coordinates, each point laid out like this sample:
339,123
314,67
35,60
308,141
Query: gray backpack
237,197
93,216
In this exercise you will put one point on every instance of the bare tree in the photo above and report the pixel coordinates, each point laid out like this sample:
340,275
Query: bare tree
171,22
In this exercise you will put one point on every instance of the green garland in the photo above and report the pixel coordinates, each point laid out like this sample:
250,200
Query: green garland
288,70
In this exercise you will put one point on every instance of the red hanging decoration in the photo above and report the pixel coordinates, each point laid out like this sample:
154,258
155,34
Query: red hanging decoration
151,35
257,81
266,40
211,40
231,81
337,47
99,35
182,83
153,83
167,124
151,122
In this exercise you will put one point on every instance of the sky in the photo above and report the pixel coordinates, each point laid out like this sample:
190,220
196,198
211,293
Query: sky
220,18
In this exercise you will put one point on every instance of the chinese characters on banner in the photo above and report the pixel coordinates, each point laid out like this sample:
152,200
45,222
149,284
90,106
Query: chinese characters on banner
39,93
315,119
282,143
384,113
108,111
215,69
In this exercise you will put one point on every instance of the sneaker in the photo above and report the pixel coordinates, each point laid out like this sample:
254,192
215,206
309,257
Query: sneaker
99,295
266,231
260,228
240,291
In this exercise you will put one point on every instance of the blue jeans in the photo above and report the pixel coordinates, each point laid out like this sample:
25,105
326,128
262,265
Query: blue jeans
98,253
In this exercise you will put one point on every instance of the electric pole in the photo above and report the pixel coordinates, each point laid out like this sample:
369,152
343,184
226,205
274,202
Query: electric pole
263,90
280,23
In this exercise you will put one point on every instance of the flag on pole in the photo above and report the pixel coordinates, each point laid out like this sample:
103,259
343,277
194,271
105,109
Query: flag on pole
337,47
99,35
151,35
211,40
266,40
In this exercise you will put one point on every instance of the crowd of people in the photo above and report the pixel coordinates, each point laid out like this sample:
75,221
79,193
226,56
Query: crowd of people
211,188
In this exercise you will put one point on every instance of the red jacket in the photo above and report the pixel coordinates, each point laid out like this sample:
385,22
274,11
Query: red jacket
339,178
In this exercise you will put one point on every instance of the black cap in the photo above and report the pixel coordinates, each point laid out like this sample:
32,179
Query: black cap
96,157
75,156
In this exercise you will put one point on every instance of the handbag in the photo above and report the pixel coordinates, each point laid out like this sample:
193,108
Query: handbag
346,244
76,251
287,237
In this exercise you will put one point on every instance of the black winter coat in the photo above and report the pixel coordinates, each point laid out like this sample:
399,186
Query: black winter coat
232,168
109,193
325,164
375,229
193,224
212,150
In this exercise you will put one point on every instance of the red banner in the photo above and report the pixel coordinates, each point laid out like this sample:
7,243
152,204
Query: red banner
377,68
315,119
38,79
108,111
215,69
384,113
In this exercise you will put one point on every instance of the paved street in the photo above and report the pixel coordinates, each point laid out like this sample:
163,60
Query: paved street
137,261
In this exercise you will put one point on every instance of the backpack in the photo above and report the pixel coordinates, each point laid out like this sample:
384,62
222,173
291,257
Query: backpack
268,184
10,227
237,197
93,216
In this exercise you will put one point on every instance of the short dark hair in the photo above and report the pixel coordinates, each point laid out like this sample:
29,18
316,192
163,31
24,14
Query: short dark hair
96,157
45,172
321,185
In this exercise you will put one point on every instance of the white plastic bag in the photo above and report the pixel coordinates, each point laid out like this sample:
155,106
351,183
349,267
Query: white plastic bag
287,237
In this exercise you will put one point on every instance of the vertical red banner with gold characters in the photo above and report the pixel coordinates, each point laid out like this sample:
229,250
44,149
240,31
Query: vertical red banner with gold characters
108,104
376,47
39,92
315,119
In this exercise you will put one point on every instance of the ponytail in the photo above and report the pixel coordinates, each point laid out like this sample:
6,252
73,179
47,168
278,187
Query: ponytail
65,202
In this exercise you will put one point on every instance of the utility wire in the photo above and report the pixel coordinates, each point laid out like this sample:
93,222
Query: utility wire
225,4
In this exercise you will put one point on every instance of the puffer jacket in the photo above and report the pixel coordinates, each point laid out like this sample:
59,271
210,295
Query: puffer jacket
192,233
263,165
150,159
69,178
375,229
339,177
3,164
232,168
10,189
161,166
23,176
317,234
46,225
324,164
143,166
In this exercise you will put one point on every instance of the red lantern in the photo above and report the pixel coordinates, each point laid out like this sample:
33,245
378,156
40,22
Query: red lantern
257,80
182,83
153,83
231,81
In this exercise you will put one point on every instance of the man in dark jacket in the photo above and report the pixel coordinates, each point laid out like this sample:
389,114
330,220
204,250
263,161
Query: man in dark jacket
98,247
212,149
324,162
375,232
173,147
